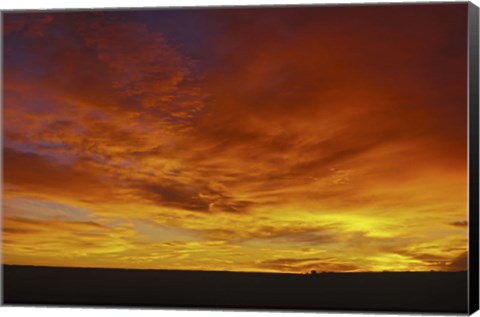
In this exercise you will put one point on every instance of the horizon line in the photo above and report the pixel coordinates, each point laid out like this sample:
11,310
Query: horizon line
311,272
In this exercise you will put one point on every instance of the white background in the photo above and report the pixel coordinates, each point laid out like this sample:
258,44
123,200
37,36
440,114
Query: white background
97,312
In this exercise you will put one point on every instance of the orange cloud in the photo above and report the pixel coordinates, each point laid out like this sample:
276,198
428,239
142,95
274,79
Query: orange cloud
29,24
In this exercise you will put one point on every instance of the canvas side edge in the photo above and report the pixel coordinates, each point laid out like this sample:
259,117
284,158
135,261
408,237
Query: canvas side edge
473,113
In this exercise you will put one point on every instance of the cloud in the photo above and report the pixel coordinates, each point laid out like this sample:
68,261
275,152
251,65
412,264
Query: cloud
144,66
176,196
297,234
40,174
66,240
137,100
460,263
459,223
84,124
306,265
267,133
29,24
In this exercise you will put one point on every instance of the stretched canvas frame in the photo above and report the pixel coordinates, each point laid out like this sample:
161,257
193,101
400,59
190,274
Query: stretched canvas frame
26,283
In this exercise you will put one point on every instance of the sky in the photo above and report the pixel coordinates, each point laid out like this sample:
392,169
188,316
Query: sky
329,138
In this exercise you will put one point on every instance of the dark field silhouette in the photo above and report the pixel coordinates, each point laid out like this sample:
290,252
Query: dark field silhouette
405,291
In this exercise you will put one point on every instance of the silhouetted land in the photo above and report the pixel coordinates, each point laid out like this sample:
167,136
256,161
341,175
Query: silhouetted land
420,292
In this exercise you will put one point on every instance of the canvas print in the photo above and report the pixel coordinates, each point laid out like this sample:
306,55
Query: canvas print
302,157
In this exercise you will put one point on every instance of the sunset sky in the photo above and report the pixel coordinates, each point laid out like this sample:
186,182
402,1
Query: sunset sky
268,139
